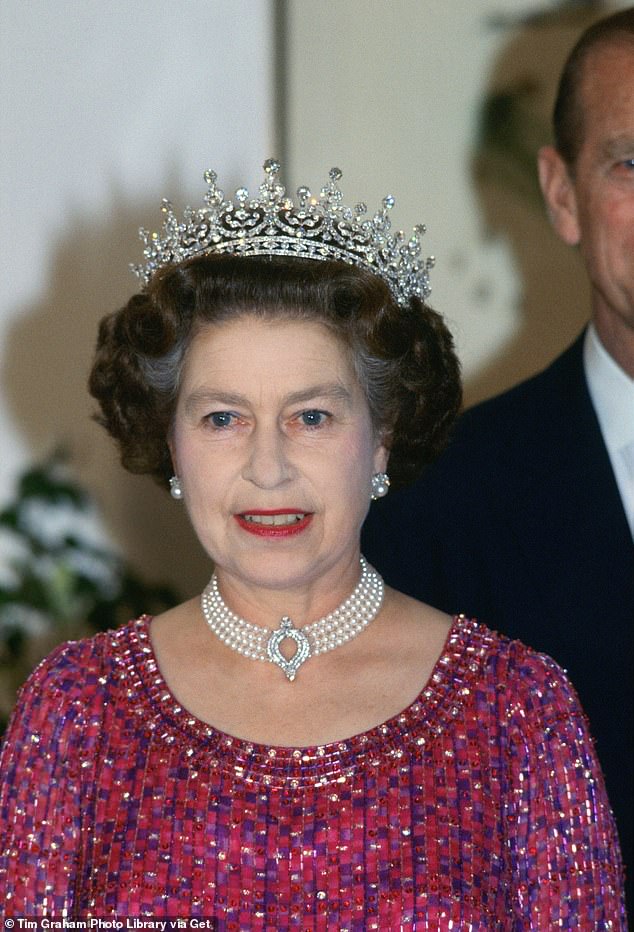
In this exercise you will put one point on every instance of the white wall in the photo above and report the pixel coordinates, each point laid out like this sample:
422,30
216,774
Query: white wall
390,93
104,109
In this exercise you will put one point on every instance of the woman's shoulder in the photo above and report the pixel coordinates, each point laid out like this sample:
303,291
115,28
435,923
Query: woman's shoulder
525,680
62,706
508,656
78,670
524,663
491,661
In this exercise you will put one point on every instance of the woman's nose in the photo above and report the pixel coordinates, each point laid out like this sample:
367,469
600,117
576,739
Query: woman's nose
267,464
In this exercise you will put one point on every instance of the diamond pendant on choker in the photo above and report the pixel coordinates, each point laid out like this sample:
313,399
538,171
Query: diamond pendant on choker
258,643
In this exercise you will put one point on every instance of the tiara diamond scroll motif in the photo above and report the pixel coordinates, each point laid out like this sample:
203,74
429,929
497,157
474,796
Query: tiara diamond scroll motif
272,224
335,629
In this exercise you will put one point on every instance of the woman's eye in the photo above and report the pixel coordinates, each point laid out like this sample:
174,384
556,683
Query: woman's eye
313,418
221,419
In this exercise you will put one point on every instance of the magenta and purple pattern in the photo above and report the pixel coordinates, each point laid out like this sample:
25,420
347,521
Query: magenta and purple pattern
480,807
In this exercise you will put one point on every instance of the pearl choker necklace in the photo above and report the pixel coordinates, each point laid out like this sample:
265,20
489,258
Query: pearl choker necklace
341,625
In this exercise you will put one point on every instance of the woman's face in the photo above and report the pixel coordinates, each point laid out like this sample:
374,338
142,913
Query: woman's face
274,445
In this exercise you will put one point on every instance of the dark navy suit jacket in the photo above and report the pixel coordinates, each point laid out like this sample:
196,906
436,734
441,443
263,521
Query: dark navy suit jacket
520,524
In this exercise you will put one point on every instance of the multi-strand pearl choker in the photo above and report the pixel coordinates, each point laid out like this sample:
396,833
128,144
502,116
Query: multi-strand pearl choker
335,629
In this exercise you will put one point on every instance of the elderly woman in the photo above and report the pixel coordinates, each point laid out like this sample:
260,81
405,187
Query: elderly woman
299,748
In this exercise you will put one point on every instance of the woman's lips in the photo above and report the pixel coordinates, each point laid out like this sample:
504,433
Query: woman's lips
280,522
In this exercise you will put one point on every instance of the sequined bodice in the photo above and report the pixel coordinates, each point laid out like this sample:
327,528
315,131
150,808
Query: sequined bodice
479,807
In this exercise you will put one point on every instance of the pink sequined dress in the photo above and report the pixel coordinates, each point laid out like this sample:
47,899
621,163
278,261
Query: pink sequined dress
480,807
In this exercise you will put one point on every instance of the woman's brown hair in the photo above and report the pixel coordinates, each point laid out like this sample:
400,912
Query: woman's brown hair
403,357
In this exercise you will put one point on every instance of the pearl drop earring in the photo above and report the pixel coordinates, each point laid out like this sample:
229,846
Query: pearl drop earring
176,490
380,485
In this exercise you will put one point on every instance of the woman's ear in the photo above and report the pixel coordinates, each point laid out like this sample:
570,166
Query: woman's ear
559,194
170,446
381,457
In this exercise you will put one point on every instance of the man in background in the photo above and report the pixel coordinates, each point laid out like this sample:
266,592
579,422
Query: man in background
527,521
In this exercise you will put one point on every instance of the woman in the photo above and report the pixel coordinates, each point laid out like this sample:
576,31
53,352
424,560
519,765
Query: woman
300,747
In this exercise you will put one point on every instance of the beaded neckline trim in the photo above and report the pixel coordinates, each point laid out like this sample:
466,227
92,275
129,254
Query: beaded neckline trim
417,726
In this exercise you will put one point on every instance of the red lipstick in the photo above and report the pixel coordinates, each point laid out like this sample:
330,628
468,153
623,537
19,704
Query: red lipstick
298,521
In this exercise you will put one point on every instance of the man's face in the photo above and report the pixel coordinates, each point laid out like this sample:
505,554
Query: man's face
603,182
592,205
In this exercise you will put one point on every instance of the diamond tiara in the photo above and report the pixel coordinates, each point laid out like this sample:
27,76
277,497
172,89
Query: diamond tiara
272,224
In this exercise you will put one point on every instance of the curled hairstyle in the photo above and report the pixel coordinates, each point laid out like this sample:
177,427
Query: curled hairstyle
568,123
403,357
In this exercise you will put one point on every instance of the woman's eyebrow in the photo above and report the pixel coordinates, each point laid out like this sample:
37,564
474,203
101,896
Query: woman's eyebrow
334,390
205,396
202,397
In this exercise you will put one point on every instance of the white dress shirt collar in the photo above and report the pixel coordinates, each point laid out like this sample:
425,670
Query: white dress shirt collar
612,393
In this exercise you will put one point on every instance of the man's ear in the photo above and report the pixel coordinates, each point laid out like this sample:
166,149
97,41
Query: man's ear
559,194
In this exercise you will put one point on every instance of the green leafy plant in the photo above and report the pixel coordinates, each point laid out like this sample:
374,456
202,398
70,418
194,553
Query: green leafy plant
59,577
